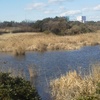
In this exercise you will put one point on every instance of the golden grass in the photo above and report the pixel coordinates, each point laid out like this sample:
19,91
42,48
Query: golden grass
19,51
72,86
42,42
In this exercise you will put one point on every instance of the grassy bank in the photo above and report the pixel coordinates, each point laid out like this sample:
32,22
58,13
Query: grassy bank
42,42
73,86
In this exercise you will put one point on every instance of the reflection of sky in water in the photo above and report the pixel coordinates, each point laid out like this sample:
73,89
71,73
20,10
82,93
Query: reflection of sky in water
50,65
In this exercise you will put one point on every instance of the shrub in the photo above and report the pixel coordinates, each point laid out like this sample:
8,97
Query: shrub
16,89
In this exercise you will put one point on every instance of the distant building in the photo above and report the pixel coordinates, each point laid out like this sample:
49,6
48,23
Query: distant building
81,19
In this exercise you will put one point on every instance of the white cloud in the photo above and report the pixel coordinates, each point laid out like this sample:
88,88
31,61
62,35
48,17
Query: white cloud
97,7
70,12
56,1
36,6
54,11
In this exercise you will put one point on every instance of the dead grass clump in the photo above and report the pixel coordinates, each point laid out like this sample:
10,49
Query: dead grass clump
95,43
73,87
19,51
95,73
41,47
32,73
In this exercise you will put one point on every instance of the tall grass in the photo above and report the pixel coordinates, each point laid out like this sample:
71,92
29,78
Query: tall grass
19,51
73,86
43,42
32,73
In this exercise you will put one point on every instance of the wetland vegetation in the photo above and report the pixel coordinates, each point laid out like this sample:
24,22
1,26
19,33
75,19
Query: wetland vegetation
50,34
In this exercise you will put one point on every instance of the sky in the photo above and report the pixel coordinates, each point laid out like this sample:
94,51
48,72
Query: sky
19,10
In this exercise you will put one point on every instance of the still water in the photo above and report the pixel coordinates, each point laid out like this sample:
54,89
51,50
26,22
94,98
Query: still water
50,65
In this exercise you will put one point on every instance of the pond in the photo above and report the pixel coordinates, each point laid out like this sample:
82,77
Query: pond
50,65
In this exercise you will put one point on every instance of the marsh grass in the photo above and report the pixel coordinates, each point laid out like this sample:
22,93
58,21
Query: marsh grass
19,51
73,86
43,42
33,73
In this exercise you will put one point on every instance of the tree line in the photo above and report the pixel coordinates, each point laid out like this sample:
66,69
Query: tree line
57,25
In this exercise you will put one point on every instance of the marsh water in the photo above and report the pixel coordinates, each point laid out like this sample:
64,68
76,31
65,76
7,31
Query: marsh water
50,65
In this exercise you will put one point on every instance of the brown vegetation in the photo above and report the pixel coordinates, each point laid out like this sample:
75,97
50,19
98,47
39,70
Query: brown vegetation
19,51
42,42
58,25
33,73
73,86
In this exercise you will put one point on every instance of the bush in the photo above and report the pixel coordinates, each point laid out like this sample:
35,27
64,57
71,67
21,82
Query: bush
16,89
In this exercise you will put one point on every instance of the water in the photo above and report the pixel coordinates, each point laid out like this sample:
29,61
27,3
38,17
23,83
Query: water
51,65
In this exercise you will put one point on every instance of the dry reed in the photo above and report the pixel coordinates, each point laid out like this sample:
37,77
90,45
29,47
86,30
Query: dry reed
33,74
72,86
19,51
42,42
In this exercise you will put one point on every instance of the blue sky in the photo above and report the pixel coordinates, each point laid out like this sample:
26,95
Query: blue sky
19,10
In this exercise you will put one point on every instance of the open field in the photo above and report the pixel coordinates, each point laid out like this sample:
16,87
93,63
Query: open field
43,42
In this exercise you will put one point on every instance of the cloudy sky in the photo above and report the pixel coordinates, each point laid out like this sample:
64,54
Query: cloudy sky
19,10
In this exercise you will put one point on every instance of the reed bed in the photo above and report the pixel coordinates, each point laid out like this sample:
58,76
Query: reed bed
19,51
73,86
43,42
